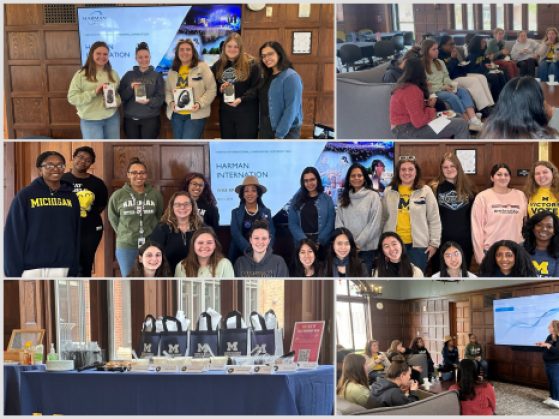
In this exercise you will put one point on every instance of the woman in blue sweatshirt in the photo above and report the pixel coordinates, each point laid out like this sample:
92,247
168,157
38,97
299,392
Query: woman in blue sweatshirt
280,95
142,117
43,225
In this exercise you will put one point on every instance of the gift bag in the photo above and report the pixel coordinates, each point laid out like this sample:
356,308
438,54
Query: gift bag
266,339
174,340
149,339
204,341
234,336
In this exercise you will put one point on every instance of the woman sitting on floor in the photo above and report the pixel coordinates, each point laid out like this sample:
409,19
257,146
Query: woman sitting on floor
476,397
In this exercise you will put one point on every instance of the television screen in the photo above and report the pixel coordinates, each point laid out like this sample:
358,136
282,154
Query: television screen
123,28
278,166
523,321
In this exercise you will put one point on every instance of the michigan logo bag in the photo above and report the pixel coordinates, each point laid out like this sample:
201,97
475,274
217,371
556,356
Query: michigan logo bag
174,340
204,341
266,336
234,335
149,339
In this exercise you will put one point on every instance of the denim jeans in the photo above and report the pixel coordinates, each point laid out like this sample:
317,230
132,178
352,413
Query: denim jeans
186,128
552,371
546,68
417,256
458,101
126,257
104,129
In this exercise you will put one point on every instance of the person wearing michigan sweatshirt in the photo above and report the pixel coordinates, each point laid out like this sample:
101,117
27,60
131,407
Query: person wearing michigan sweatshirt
99,118
134,211
143,93
260,261
42,232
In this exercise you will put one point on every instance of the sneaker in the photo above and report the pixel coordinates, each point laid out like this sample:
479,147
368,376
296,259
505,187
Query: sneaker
554,403
547,401
478,115
475,124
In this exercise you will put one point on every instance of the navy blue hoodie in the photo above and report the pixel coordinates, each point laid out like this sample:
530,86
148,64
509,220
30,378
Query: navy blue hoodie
42,229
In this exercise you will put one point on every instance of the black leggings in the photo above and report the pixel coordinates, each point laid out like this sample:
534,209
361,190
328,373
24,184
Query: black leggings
147,128
239,125
527,67
89,240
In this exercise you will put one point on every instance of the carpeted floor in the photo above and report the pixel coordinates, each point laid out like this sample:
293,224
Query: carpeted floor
517,400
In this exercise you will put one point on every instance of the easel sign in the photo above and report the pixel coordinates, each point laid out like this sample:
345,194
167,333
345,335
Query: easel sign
306,341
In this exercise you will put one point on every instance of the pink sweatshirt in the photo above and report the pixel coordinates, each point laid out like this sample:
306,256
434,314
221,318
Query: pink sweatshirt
407,105
497,217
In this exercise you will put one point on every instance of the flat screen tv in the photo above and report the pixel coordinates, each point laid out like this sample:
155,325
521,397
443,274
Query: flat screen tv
523,321
123,28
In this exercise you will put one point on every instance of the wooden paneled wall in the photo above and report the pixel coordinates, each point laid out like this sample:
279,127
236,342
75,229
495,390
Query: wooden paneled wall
387,322
41,58
377,17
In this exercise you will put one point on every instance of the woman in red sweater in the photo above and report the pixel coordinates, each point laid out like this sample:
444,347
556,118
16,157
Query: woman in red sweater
476,397
411,108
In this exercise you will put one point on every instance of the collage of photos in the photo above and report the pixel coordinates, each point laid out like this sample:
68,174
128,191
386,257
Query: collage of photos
318,209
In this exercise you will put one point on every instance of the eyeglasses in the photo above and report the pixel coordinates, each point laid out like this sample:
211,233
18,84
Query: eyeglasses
196,185
452,254
136,173
51,166
182,204
268,55
406,158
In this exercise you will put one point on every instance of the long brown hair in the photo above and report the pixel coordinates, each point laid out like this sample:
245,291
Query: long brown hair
555,327
353,371
195,221
368,350
464,188
242,64
427,61
191,264
90,68
531,187
177,61
553,29
417,181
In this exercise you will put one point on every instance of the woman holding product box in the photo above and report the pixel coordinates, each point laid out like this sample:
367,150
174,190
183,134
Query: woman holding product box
94,92
189,92
142,90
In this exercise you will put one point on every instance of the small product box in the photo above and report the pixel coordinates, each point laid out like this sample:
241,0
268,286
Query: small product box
184,99
140,92
109,95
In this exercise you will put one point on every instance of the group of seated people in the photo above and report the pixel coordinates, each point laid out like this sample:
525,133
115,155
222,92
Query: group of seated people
392,378
435,80
413,229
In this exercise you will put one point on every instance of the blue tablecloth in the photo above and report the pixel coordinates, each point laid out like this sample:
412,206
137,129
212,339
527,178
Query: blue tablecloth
12,380
308,392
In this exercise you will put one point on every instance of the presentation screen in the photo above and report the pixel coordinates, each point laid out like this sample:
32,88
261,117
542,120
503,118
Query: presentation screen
523,321
123,28
278,166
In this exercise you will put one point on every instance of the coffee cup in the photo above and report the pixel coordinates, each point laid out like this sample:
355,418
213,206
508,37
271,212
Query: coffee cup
551,78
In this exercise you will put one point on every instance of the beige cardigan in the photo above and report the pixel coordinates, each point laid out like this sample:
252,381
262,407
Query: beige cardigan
202,81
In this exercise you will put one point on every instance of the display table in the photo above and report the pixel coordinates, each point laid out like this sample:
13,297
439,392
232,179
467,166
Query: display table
12,380
307,392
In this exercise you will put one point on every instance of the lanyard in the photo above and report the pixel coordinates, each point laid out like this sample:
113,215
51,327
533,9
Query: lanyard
139,211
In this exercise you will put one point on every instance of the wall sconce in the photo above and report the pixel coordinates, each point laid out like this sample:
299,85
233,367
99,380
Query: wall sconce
368,289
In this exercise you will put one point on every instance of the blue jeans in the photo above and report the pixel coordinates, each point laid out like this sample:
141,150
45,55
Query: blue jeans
458,101
546,68
482,365
126,258
104,129
552,371
186,128
417,256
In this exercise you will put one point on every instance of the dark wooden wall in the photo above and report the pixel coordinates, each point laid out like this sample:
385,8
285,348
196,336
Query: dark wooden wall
42,54
377,17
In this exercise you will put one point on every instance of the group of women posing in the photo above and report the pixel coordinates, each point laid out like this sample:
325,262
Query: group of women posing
267,94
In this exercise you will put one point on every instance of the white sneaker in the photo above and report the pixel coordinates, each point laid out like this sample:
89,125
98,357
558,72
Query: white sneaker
554,403
547,401
478,115
475,124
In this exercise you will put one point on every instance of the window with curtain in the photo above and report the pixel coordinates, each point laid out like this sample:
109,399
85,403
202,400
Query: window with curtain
352,316
458,17
120,319
197,295
517,17
500,18
405,14
486,17
72,312
263,295
532,16
470,11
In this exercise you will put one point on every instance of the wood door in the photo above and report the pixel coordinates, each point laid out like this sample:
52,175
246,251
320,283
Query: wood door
462,325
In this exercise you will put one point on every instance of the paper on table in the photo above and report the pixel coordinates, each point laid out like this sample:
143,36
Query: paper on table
439,123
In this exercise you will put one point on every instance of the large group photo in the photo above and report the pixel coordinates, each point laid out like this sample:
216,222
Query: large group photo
459,71
201,71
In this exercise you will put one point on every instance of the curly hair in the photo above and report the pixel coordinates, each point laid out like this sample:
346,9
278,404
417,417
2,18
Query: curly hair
530,238
207,195
523,267
195,221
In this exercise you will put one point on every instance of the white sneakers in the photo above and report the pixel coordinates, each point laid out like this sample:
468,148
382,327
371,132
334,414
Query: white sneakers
552,403
547,401
475,124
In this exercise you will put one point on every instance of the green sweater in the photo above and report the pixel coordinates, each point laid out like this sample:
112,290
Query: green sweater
472,351
123,214
90,105
438,78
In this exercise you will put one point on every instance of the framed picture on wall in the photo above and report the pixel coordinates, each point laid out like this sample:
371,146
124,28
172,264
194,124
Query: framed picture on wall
468,160
302,42
20,337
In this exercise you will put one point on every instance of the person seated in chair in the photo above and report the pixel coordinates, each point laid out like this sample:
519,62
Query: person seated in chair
396,349
377,362
418,347
397,388
473,352
450,358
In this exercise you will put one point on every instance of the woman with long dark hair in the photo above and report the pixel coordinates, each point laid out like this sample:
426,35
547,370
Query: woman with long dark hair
392,259
238,71
481,64
476,397
417,347
360,211
453,262
97,120
542,188
311,213
142,109
188,70
551,361
151,262
506,258
520,113
353,385
411,210
412,108
489,222
341,259
200,191
280,95
306,262
541,241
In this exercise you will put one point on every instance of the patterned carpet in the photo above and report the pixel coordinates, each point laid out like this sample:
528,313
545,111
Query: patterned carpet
517,400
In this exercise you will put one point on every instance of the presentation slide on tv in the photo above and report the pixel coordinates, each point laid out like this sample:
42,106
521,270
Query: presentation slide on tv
123,28
523,321
278,166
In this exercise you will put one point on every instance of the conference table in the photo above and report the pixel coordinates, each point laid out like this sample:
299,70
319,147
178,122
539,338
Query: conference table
303,392
12,385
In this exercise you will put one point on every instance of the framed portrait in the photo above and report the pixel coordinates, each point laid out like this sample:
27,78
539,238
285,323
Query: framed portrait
302,42
21,336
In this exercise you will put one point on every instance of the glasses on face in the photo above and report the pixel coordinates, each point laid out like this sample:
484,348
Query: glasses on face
182,204
452,255
196,185
406,158
52,166
268,55
137,173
